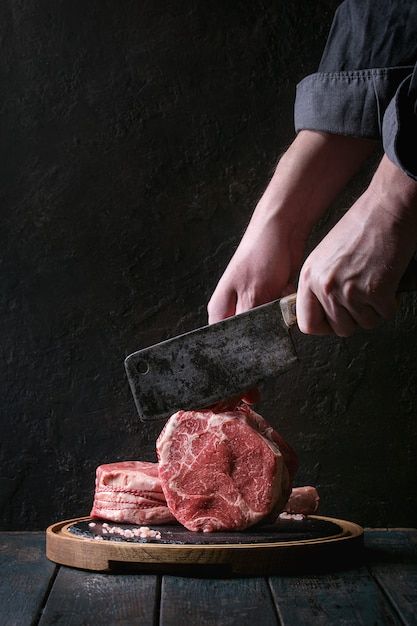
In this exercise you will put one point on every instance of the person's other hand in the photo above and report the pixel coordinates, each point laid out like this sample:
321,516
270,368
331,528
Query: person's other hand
261,270
351,278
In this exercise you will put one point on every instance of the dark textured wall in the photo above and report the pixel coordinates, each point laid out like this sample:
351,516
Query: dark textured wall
136,138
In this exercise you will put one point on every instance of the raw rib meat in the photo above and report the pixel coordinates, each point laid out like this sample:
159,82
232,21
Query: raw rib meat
223,471
303,500
130,491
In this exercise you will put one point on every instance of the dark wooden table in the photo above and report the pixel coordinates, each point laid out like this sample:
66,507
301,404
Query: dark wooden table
381,591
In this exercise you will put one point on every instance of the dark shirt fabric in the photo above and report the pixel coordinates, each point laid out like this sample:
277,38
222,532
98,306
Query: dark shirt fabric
366,84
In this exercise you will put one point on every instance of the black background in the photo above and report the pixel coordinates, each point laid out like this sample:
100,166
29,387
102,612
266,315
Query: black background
136,138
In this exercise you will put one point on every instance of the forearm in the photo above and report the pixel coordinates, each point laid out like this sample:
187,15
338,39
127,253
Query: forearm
308,177
397,192
310,174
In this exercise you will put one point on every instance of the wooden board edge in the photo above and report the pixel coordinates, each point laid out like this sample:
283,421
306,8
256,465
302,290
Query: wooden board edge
270,558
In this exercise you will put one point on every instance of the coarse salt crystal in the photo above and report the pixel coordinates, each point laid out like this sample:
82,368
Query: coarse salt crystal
296,516
141,532
92,524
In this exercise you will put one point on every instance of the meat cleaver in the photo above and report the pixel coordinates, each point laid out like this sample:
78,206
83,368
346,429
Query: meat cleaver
214,362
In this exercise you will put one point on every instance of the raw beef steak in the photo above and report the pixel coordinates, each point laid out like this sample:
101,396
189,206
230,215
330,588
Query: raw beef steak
222,471
130,491
258,422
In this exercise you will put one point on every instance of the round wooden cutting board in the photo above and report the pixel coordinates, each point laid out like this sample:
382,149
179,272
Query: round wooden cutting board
288,546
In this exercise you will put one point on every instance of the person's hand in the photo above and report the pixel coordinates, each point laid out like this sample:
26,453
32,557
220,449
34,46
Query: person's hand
308,177
351,278
261,270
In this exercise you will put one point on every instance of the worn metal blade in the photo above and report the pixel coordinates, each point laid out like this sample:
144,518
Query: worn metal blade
211,363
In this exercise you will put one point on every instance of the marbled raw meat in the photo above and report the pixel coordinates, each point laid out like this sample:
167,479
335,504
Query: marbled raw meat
223,470
304,500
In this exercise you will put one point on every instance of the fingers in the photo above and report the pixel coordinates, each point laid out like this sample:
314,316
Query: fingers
339,319
229,301
319,314
324,314
365,316
222,304
387,307
246,301
311,317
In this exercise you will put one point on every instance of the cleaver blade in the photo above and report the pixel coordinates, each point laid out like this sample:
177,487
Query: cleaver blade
214,362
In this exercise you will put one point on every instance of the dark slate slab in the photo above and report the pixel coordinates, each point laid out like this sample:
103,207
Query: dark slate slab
240,601
25,577
81,598
282,530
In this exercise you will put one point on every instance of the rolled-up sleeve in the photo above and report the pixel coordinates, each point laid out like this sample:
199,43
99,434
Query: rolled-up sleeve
399,128
366,85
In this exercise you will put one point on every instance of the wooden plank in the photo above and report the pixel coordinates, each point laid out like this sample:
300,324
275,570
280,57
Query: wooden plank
210,602
80,598
25,577
393,563
344,598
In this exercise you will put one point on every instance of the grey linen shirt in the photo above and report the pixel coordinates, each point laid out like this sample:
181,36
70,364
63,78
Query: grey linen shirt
366,84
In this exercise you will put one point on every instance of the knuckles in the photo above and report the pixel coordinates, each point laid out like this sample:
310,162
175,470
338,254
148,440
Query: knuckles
323,283
350,292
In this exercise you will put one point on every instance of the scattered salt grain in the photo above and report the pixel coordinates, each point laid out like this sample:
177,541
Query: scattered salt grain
92,524
141,532
297,516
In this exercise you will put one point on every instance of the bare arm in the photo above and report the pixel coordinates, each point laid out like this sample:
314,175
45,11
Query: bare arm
308,177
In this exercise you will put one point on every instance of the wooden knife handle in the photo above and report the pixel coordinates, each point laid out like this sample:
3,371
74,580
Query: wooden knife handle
289,313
